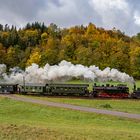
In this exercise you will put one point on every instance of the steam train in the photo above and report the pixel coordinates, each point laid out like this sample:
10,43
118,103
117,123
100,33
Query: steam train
80,90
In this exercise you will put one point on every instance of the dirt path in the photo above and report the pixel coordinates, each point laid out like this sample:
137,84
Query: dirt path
73,107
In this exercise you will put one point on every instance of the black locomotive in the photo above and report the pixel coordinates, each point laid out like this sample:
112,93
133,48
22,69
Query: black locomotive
111,91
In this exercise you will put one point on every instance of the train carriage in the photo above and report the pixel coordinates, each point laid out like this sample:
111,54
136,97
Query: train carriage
32,88
8,88
67,89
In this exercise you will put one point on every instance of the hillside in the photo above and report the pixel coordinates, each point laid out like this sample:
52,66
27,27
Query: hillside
87,45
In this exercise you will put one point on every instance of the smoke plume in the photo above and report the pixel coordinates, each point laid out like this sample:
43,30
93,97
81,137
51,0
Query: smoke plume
2,69
62,72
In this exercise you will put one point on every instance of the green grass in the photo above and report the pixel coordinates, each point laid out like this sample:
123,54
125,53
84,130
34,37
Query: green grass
130,106
19,120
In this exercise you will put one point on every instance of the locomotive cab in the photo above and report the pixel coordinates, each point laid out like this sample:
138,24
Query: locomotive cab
136,93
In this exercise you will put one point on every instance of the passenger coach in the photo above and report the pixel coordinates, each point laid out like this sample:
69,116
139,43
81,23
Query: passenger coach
8,88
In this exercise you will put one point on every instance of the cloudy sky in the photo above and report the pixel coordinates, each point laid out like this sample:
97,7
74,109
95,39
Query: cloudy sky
122,14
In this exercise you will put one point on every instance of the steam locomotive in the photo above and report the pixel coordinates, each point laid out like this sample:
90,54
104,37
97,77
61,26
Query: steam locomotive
80,90
111,91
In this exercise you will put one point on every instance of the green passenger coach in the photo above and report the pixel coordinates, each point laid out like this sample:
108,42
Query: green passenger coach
8,88
32,88
67,89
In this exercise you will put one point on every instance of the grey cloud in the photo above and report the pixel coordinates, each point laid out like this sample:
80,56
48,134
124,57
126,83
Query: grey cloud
24,8
67,13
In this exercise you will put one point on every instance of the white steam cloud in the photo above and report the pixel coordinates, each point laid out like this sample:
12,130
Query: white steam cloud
62,72
2,69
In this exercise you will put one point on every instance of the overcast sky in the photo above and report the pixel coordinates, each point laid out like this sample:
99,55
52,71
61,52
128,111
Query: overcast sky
122,14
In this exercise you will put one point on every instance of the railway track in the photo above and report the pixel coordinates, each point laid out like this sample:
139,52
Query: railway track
73,107
78,97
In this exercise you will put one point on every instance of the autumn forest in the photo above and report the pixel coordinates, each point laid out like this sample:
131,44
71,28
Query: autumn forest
87,45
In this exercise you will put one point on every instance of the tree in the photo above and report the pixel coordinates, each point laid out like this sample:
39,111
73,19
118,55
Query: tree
2,54
135,61
32,37
50,52
11,57
35,57
4,39
44,38
91,29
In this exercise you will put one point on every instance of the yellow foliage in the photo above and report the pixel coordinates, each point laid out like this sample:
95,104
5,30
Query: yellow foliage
34,57
134,53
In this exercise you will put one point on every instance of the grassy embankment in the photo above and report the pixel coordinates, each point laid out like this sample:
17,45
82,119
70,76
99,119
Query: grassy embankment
19,120
130,106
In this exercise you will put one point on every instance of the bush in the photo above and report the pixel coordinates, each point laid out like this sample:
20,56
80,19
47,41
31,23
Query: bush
106,106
